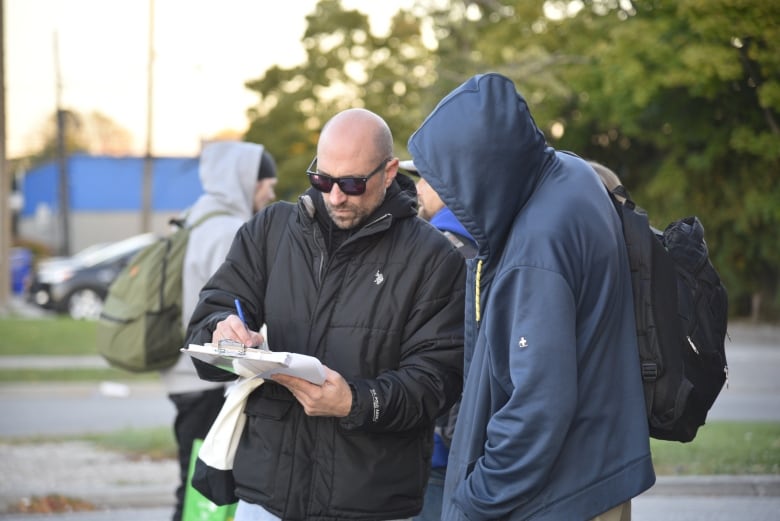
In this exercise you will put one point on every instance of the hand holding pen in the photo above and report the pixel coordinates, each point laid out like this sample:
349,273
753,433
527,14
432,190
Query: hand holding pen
262,345
235,328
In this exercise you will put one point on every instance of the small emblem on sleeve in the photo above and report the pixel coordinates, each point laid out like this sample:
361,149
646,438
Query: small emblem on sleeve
375,405
523,342
378,278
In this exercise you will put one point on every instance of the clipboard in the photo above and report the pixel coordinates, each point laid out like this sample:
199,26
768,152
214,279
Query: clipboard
251,362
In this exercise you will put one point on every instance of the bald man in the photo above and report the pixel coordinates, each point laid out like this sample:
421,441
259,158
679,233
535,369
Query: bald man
351,276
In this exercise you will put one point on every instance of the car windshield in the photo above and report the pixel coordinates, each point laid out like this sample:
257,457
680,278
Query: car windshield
116,249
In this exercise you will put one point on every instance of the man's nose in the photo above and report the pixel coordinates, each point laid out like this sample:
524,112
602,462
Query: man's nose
336,196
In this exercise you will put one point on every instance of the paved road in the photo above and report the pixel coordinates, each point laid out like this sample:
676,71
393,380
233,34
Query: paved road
79,408
753,393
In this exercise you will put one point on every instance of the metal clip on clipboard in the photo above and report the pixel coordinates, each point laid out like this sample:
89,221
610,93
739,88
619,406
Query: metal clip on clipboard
231,347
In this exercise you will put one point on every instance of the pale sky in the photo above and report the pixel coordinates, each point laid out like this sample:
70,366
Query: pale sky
204,52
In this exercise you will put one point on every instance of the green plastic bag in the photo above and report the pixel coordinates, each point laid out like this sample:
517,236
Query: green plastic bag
196,506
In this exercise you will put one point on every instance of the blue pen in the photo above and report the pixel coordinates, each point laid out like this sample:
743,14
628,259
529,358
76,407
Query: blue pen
240,312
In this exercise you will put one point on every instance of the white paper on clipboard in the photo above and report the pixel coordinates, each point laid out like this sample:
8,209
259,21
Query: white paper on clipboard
252,362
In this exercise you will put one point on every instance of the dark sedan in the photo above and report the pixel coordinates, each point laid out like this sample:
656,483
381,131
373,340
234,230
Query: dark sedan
78,285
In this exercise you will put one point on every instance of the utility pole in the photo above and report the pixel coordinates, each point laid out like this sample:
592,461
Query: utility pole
5,187
148,174
64,185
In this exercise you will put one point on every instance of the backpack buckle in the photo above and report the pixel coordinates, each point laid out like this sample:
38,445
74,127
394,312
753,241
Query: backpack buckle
649,371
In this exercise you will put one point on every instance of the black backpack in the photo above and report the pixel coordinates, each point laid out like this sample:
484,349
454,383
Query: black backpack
681,311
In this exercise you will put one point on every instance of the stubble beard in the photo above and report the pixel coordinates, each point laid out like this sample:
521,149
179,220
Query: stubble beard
346,221
357,213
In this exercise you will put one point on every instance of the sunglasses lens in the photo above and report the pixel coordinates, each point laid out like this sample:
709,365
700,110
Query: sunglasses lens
352,186
321,183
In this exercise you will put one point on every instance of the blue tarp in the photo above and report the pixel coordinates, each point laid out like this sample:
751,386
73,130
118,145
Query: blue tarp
106,184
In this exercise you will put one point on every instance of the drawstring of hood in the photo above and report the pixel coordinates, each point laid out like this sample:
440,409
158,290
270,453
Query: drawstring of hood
476,290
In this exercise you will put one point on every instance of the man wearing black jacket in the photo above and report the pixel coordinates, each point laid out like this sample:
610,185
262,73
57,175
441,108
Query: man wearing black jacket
355,279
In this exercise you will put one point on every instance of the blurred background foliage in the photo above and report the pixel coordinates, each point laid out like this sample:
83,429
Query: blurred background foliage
681,98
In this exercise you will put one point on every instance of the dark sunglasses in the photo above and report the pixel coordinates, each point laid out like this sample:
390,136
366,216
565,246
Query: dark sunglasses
352,185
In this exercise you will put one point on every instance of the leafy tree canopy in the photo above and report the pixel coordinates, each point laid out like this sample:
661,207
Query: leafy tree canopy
680,97
346,66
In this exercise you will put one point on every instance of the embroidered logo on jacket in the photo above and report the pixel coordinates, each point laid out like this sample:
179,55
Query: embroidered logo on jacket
378,278
522,343
375,405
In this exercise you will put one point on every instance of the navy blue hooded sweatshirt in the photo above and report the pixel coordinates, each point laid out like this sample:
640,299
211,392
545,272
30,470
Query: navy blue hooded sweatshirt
552,422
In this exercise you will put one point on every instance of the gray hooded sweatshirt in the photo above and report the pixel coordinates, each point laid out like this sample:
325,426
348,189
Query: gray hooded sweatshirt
228,174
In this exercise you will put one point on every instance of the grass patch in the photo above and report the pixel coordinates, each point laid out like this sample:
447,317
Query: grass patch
737,448
722,448
47,336
56,336
157,443
153,443
74,375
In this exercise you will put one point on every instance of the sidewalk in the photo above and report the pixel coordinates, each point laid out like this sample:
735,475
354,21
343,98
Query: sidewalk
81,470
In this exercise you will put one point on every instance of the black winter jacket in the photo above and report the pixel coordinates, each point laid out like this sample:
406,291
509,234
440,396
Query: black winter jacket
385,310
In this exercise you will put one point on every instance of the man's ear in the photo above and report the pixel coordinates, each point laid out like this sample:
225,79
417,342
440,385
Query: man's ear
391,169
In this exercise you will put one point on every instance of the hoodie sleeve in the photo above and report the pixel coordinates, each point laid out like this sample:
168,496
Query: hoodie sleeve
532,334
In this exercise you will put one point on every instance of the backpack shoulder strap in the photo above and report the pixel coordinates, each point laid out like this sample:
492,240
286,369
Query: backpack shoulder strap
180,222
638,240
207,217
622,191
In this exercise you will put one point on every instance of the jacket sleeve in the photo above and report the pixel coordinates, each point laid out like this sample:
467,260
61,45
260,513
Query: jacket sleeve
241,276
429,378
532,342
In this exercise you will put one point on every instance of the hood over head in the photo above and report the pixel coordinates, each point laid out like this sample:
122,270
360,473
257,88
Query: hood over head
482,152
229,174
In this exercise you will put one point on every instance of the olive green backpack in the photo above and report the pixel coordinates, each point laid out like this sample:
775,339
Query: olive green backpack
140,327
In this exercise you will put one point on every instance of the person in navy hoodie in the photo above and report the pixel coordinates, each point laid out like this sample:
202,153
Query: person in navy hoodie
431,208
557,427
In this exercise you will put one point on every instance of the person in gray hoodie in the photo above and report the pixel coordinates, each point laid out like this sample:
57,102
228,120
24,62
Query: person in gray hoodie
557,426
238,180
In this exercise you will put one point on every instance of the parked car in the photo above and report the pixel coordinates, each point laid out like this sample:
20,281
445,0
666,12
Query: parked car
78,285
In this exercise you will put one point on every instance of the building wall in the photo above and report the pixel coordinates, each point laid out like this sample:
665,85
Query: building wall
104,198
88,228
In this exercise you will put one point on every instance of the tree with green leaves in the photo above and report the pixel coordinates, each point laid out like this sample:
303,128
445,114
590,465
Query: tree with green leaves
680,97
346,66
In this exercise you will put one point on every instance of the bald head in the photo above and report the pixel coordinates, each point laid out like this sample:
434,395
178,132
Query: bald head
356,143
356,133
